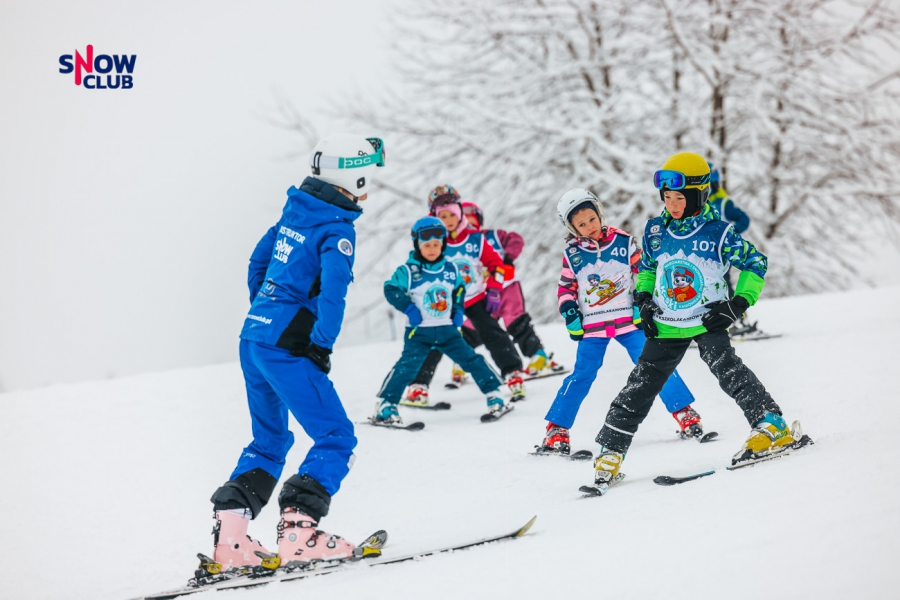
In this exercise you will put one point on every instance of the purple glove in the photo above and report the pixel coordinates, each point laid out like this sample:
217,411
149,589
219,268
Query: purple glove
492,302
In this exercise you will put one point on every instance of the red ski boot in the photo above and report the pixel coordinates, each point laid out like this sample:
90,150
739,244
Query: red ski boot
689,422
556,440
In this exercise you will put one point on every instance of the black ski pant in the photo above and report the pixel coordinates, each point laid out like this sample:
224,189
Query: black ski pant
487,331
658,361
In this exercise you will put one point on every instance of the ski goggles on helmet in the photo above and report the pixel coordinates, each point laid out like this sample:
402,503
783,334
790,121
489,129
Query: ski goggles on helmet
674,180
442,195
431,233
318,161
470,210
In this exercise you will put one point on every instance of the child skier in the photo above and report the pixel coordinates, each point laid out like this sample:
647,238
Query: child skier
420,288
689,237
483,272
298,278
731,213
508,245
595,298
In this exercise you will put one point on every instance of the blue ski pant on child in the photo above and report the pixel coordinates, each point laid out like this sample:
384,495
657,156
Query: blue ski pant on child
278,383
448,340
588,361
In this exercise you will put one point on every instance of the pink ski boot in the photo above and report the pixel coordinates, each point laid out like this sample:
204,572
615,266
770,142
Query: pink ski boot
233,547
300,542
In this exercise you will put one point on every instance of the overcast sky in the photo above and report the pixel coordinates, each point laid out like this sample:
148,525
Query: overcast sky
127,216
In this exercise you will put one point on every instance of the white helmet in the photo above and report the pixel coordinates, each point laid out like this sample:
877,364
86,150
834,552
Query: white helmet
573,198
347,161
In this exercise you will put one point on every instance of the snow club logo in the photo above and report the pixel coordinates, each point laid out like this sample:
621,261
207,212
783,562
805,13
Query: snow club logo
97,67
283,250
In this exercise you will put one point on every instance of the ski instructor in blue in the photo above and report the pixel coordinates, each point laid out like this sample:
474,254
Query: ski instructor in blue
298,278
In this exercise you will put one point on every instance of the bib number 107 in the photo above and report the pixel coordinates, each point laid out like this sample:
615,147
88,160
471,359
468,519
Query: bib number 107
704,246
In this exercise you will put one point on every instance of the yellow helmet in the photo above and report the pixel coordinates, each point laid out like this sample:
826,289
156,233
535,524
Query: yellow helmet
688,173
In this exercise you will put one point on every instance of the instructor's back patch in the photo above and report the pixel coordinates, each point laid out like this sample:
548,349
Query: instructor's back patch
345,247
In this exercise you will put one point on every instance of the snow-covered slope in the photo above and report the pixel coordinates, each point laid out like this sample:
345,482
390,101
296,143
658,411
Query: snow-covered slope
106,485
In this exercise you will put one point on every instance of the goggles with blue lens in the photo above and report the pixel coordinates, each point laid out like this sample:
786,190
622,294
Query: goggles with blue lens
318,161
432,233
674,180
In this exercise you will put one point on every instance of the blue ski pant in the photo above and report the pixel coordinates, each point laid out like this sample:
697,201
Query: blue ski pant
675,394
278,383
448,340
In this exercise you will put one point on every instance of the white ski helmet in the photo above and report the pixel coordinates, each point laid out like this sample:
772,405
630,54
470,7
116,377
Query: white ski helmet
570,200
347,161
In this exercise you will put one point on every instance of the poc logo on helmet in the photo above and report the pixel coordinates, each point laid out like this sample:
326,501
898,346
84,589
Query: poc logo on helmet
358,161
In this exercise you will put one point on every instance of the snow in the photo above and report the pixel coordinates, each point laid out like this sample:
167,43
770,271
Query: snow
118,474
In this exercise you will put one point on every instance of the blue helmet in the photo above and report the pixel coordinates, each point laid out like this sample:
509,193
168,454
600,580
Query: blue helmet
428,228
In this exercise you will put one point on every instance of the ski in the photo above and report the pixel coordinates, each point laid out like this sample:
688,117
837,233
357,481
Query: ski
438,406
452,385
246,581
667,480
580,455
496,414
590,491
417,426
204,581
563,371
706,437
790,449
759,336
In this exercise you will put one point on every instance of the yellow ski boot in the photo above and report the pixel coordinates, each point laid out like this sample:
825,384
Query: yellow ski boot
606,473
538,363
770,436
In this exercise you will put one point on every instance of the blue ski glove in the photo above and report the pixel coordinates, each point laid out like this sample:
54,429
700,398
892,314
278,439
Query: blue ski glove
415,317
458,317
492,302
723,313
648,309
571,313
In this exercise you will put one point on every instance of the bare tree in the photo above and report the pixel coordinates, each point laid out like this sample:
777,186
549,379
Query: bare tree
514,102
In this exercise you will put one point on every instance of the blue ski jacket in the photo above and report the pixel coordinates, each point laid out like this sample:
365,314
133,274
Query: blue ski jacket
300,270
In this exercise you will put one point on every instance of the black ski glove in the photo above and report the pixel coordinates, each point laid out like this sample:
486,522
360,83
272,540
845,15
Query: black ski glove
321,357
648,309
723,313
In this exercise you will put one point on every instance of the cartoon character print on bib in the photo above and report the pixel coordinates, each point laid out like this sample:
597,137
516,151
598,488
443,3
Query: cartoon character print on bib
437,301
684,284
603,290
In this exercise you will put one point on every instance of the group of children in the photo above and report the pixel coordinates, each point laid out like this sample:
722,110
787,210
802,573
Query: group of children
456,288
450,250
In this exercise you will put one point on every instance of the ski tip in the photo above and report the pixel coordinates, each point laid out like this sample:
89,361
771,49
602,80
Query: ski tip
582,455
664,480
524,529
591,491
376,540
709,437
417,426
